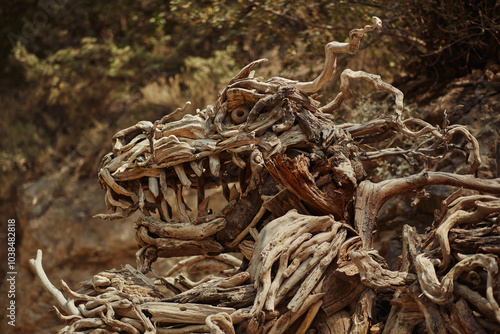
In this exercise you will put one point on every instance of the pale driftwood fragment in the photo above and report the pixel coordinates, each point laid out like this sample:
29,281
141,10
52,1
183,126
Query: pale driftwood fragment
361,319
165,118
182,313
214,164
290,224
184,263
190,126
245,71
141,127
137,324
189,329
299,273
273,240
229,291
331,49
115,324
256,84
483,207
67,304
287,319
110,181
318,239
348,75
176,247
184,230
220,323
440,292
154,186
181,174
309,317
374,275
315,275
197,168
283,266
82,324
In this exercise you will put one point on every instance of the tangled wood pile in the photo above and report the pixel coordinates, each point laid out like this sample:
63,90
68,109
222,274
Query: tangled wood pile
291,251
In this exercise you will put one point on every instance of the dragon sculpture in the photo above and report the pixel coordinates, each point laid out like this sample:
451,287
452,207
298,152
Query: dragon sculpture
266,173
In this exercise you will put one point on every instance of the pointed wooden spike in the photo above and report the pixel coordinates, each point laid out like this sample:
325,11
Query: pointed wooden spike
214,163
234,195
181,174
197,167
203,207
153,186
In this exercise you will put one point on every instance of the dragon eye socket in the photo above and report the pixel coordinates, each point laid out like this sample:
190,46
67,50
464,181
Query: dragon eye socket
239,114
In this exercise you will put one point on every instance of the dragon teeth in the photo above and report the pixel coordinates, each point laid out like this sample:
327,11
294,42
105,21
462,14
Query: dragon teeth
203,207
164,209
214,163
153,186
197,167
181,206
234,194
181,174
163,183
149,196
110,181
111,202
141,198
238,161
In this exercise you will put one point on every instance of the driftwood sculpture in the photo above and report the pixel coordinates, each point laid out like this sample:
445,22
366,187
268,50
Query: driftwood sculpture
292,248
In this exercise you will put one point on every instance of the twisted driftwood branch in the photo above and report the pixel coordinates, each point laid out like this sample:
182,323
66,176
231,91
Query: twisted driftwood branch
67,304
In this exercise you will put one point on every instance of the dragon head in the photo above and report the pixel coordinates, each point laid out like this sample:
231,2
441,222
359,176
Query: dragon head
264,147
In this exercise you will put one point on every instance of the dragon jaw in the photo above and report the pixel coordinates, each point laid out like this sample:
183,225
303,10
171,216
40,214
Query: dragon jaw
260,139
266,146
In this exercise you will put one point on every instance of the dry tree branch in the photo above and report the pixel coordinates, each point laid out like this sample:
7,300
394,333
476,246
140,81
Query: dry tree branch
440,292
444,135
348,75
484,206
67,304
374,275
371,196
331,50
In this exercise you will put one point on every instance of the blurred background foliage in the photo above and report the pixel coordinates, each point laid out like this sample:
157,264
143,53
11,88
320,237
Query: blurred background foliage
74,72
